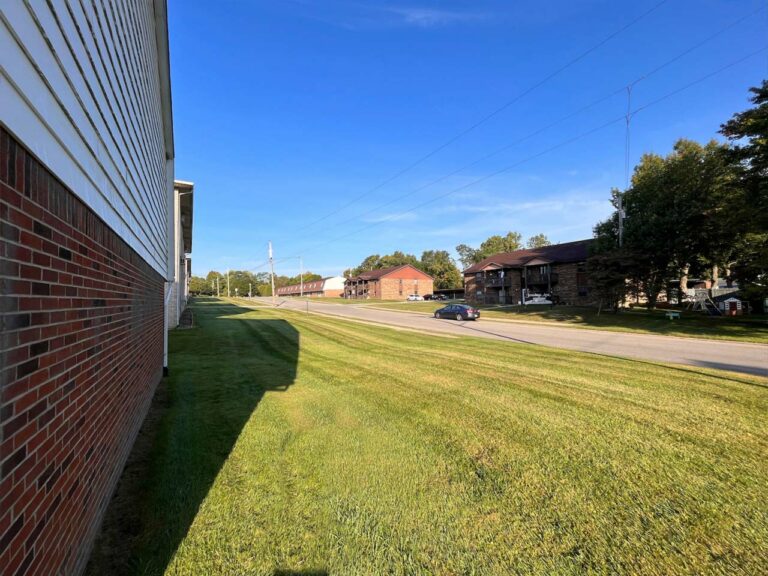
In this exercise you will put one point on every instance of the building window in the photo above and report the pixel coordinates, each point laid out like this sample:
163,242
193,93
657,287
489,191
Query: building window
583,291
400,286
479,276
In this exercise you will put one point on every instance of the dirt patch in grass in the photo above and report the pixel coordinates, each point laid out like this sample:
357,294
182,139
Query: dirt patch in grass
122,526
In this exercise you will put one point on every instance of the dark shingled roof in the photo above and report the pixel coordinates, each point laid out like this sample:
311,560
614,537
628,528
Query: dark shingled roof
376,274
577,251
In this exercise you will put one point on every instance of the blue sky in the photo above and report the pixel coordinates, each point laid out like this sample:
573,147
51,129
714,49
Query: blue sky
287,111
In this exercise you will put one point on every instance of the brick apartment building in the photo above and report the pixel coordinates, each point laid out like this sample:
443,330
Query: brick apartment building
395,283
331,287
92,263
558,270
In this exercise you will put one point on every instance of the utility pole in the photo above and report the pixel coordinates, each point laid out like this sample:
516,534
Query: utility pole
272,270
228,293
621,218
250,291
626,165
218,288
301,277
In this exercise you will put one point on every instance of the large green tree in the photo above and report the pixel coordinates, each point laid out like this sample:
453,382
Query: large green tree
492,245
538,241
440,265
748,133
398,258
676,216
376,262
199,285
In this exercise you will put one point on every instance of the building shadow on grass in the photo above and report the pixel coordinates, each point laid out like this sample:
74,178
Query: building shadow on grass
218,374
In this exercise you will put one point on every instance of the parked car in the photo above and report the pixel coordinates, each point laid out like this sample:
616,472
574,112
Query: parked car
458,311
415,298
429,297
439,297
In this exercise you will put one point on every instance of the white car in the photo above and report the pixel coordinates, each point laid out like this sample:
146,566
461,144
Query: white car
415,298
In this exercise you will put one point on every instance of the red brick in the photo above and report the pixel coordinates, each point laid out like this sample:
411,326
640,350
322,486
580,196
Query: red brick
18,253
82,369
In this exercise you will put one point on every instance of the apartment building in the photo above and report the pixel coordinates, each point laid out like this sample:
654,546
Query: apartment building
330,287
395,283
556,273
93,248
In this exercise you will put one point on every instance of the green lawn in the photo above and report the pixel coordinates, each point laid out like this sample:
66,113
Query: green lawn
691,324
328,300
286,443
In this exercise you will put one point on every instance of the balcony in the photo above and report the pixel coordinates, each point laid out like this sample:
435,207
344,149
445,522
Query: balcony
537,278
497,281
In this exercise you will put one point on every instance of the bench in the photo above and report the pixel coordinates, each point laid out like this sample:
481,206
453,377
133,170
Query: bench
673,315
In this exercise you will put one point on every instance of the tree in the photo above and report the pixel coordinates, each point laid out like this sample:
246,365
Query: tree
398,258
497,244
493,245
538,241
676,218
199,285
376,262
212,277
440,265
308,276
748,132
262,284
467,255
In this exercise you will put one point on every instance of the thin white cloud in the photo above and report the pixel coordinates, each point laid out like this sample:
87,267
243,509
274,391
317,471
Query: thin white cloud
430,17
360,16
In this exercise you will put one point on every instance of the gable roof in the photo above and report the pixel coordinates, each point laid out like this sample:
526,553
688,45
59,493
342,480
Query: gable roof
577,251
381,272
735,295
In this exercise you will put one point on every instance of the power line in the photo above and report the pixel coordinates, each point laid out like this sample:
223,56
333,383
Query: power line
561,144
488,117
624,89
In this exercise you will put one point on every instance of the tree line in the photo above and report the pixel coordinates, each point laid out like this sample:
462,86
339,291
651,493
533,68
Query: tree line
243,281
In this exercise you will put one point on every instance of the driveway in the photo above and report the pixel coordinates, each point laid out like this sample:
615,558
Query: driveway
724,355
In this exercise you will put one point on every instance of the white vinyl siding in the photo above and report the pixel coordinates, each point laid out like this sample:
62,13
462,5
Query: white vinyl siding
80,88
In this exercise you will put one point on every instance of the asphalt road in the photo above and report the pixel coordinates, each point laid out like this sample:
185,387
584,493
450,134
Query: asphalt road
724,355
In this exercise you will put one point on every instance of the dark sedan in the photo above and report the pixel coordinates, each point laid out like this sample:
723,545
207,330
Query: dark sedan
459,312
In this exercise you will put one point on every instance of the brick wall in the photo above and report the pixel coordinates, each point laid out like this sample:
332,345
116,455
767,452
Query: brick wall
80,357
390,288
570,280
567,288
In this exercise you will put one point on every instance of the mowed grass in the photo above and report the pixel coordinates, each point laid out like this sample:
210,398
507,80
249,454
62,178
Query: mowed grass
326,300
290,443
690,324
